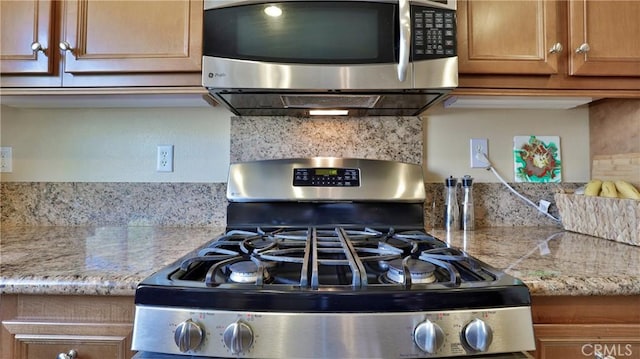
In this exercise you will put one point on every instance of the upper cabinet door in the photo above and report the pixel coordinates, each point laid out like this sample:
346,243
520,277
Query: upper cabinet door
508,37
604,38
25,45
132,36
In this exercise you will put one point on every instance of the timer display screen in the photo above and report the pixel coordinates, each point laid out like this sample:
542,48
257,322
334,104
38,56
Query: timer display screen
326,172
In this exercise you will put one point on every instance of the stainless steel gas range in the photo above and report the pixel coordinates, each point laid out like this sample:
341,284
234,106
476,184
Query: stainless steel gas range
328,258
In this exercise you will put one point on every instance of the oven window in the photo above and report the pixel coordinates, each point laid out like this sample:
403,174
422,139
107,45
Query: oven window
319,32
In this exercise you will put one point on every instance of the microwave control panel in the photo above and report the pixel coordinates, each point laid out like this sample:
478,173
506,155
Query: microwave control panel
434,33
326,177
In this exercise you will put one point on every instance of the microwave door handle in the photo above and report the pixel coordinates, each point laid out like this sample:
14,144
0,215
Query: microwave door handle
405,38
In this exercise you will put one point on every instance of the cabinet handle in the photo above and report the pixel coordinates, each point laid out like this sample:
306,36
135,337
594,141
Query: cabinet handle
36,46
583,49
598,355
72,354
556,48
65,46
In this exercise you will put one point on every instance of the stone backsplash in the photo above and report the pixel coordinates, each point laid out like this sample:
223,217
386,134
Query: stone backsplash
204,204
113,203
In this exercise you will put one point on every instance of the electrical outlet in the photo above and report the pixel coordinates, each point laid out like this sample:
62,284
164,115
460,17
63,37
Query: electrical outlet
477,146
6,160
165,158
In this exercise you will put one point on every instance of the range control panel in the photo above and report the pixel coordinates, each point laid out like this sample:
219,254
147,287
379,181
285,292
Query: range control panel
326,177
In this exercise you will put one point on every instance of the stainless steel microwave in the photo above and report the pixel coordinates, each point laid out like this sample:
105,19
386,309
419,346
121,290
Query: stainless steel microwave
289,57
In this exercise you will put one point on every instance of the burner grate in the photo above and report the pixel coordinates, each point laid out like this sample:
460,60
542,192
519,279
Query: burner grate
314,259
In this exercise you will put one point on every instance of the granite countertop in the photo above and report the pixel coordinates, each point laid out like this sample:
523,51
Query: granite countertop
112,260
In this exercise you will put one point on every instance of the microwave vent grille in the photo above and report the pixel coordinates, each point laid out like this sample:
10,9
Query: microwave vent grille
329,101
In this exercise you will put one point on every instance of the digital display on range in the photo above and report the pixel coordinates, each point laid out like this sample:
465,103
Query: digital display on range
326,171
326,177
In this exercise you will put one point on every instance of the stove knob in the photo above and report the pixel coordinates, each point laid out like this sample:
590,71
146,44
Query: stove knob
188,335
477,335
238,337
428,336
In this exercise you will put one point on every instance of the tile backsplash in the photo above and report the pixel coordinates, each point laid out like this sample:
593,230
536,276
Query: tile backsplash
256,138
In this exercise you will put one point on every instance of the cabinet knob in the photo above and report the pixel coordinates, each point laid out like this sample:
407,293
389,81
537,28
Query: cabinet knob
36,46
583,49
556,48
72,354
598,355
65,46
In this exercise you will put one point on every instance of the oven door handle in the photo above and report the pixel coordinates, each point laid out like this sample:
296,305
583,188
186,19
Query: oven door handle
404,15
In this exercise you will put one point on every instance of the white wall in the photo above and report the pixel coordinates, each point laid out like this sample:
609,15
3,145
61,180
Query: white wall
119,145
115,145
448,131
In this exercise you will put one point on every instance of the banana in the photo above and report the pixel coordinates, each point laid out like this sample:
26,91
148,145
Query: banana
608,190
593,188
627,190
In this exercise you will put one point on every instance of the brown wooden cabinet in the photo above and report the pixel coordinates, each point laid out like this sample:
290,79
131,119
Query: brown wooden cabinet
37,326
532,45
580,327
101,43
611,32
507,37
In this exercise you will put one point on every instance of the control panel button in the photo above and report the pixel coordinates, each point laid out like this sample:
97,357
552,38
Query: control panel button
188,335
477,335
238,337
428,336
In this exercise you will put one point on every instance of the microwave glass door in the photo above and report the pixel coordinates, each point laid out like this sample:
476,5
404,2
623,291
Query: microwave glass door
317,32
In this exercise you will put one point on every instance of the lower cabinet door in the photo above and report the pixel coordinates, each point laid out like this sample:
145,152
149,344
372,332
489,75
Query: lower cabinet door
86,347
582,341
40,340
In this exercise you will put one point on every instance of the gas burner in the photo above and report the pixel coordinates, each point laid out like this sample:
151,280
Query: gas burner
256,244
243,272
421,272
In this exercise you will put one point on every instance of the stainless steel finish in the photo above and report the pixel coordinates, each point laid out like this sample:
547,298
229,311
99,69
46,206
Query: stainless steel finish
583,49
188,335
212,4
478,335
299,335
556,48
272,180
149,355
36,46
241,74
429,337
65,46
404,13
245,87
72,354
238,337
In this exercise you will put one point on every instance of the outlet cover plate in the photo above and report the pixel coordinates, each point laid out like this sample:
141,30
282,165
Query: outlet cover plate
165,158
478,145
6,159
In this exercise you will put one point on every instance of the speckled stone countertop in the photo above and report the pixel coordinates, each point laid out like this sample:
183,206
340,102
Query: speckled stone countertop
90,260
112,260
